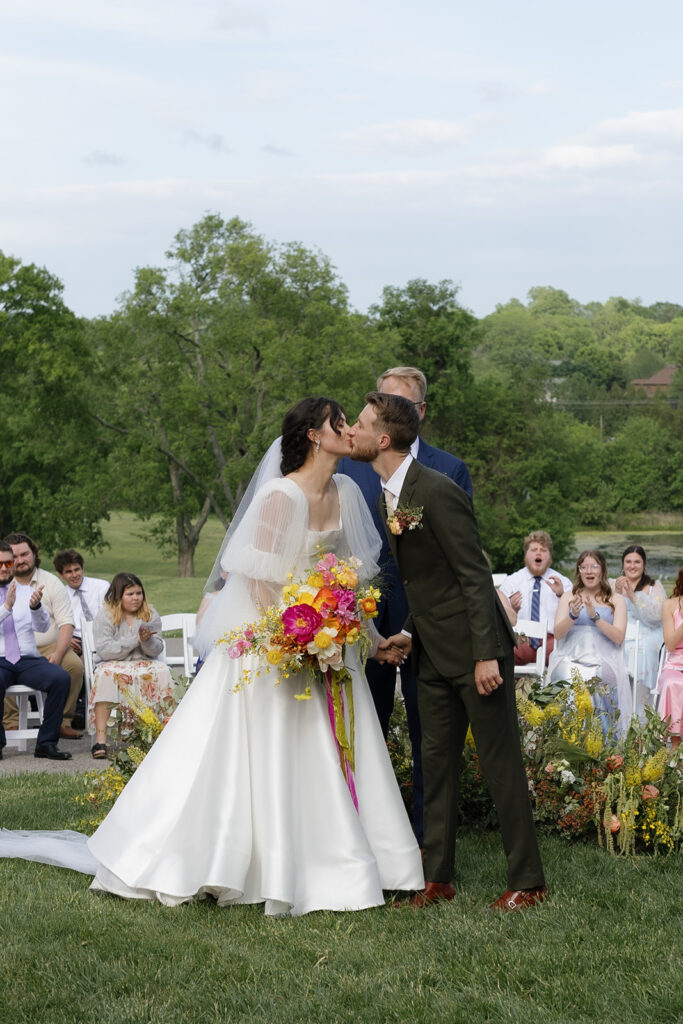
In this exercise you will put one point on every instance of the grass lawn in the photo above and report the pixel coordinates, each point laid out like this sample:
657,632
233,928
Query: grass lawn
129,552
607,948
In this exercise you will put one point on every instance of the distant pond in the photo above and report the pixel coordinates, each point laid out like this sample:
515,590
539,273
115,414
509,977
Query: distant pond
664,550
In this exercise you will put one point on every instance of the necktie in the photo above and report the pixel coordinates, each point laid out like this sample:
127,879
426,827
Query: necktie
535,610
12,652
388,500
87,614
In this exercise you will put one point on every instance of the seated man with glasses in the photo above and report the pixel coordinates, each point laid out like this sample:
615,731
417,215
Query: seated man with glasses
22,614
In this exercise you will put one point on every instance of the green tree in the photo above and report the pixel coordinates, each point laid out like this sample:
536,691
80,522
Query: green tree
206,355
52,486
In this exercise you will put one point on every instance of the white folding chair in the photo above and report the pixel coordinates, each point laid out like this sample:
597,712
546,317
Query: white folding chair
88,647
498,578
663,652
633,636
534,631
19,737
185,623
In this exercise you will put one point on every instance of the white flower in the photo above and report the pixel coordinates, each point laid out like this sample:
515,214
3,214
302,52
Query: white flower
567,777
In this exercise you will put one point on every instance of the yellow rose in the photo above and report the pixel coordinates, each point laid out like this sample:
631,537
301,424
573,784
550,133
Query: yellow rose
274,657
306,598
315,580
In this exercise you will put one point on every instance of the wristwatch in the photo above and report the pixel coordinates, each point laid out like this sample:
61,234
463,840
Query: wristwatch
594,618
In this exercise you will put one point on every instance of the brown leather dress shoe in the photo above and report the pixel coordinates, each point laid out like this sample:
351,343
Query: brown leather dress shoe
67,733
520,899
433,892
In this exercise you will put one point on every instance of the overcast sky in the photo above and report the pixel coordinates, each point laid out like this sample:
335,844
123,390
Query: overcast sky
502,145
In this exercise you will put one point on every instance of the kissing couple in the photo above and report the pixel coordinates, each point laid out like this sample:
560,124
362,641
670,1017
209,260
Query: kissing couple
241,797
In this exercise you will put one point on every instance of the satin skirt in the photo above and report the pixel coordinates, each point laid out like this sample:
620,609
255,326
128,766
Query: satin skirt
243,798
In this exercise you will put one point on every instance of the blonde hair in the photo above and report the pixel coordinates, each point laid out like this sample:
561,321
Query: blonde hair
538,537
410,373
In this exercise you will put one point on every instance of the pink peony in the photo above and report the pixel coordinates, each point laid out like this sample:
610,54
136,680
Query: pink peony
302,622
346,605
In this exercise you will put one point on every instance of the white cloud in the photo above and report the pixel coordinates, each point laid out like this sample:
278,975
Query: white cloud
411,135
666,125
576,156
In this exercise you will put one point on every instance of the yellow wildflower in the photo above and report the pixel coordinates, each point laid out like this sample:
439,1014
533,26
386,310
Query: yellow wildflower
653,769
274,656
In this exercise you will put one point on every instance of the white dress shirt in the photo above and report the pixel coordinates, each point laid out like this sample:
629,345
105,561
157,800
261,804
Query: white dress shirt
523,580
395,483
26,622
93,590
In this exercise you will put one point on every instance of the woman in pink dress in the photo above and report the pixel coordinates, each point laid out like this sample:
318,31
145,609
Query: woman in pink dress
670,685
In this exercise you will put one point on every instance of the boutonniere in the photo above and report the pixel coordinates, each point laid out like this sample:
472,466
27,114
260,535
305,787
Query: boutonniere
405,517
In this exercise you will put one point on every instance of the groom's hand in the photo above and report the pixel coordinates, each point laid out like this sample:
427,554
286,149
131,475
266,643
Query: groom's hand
487,677
394,649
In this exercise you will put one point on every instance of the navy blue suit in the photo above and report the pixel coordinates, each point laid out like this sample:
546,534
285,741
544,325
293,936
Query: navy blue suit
393,610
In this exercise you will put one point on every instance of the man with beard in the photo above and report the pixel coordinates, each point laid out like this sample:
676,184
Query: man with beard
21,614
461,644
54,643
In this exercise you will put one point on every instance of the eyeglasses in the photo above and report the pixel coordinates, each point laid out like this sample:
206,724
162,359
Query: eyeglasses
8,565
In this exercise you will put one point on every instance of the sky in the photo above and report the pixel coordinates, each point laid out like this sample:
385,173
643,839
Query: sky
502,146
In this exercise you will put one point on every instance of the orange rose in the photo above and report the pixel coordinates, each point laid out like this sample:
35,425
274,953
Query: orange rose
324,596
615,825
650,792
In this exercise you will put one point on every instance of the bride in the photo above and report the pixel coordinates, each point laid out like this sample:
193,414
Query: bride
242,796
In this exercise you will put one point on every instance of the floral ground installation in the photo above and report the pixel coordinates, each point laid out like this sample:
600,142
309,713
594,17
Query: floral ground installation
584,785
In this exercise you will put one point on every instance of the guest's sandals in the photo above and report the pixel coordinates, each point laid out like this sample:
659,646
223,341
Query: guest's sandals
99,751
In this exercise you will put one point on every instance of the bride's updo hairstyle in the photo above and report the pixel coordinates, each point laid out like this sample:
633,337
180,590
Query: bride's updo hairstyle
308,414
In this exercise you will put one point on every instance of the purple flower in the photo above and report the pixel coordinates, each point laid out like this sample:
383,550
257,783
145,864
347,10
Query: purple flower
346,605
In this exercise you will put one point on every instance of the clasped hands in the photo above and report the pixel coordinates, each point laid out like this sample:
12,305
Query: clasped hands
393,650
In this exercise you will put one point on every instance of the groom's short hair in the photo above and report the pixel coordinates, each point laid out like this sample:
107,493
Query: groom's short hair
397,417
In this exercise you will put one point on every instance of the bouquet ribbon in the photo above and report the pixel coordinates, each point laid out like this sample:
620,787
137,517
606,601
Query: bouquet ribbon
343,738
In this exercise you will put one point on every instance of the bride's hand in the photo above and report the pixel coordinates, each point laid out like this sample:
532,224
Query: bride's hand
394,650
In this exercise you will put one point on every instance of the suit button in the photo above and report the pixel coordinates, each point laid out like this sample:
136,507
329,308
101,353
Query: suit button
405,583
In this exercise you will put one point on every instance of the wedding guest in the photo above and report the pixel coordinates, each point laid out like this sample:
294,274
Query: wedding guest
86,595
128,643
410,383
670,686
22,614
54,643
644,602
534,592
589,630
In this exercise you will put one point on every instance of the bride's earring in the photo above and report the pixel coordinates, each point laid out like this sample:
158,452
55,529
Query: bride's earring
317,446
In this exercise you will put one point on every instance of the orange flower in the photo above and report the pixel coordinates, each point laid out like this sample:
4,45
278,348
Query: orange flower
614,762
369,605
324,596
615,824
650,792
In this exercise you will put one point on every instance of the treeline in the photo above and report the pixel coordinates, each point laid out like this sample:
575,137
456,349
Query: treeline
166,407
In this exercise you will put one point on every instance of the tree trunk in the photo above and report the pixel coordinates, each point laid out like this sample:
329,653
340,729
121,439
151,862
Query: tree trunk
186,550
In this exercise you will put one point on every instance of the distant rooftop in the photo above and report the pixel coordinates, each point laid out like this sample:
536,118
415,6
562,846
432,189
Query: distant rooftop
659,381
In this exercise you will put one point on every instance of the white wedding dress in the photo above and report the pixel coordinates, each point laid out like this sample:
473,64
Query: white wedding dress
242,797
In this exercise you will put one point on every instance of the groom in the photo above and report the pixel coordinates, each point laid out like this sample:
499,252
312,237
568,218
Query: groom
461,651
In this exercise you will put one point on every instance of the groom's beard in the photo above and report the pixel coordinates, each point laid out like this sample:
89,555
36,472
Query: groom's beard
367,453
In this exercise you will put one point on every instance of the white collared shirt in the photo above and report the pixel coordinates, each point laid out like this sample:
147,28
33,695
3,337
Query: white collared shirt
523,580
26,622
93,590
395,482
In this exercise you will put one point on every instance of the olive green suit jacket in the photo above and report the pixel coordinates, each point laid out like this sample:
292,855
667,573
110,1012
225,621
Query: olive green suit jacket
455,614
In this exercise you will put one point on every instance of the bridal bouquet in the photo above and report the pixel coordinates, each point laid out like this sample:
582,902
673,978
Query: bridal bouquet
315,619
317,615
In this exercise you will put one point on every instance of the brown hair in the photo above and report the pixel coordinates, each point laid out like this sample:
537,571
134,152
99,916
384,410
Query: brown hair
678,585
68,557
604,589
23,538
118,585
538,537
397,417
410,373
645,580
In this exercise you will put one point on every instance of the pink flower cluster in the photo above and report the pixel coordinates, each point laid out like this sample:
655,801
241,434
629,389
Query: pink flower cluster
302,622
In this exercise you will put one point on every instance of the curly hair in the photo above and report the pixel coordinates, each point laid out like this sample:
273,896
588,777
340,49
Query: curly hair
307,414
604,589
